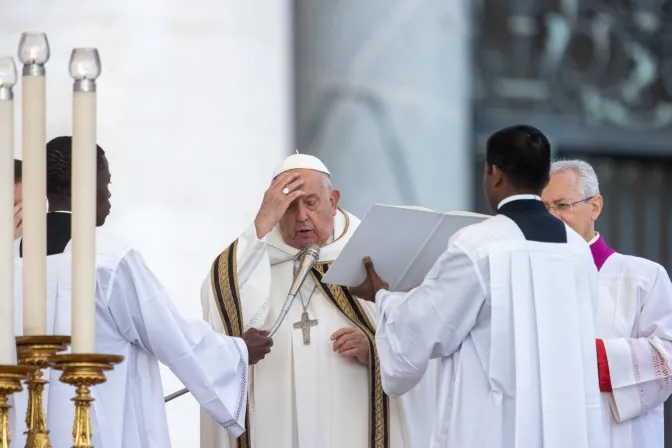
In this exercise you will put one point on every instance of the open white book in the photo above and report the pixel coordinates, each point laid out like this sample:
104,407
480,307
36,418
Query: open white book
403,242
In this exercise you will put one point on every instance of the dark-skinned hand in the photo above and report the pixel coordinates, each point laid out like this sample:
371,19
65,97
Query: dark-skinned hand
258,345
372,284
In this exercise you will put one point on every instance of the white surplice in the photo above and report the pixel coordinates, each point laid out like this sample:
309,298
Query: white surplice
513,323
307,396
136,319
635,322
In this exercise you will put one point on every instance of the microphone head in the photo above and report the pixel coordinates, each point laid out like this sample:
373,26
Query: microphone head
312,251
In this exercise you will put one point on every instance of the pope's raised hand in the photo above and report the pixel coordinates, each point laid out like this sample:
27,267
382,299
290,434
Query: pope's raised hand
258,345
283,191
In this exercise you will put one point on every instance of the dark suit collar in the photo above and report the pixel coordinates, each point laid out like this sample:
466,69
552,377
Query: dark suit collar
522,205
533,219
59,233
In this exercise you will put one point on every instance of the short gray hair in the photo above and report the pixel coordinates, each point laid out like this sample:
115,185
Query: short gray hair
588,184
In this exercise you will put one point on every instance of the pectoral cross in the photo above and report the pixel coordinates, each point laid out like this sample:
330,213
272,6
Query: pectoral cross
304,325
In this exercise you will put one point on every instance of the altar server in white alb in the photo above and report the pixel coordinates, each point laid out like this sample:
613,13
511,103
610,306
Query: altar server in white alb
320,387
508,309
135,318
634,316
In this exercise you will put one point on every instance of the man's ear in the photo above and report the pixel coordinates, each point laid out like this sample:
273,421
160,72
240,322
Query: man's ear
497,176
334,197
596,207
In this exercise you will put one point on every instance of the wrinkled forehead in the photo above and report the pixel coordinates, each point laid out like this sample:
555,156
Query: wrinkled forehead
563,185
311,178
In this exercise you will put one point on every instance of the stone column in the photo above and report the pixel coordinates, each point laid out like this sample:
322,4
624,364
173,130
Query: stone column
382,96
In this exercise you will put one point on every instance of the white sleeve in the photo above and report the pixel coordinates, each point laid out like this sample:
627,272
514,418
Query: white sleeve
214,367
428,322
251,251
253,269
640,368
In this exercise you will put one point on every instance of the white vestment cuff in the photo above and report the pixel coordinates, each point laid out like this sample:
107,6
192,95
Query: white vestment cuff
250,234
626,401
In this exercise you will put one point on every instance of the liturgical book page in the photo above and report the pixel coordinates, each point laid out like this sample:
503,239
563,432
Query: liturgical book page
403,242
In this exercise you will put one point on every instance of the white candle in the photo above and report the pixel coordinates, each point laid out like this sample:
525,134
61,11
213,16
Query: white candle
84,68
7,81
34,53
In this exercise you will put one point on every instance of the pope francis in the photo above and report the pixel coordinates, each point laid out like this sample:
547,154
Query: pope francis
320,386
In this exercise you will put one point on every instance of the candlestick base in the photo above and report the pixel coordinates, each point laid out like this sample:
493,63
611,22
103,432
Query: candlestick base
35,351
83,371
10,382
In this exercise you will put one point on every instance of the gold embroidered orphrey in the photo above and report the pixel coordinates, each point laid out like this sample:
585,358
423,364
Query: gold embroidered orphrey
227,296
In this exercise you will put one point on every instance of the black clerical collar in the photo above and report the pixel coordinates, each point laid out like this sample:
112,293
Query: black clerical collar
533,219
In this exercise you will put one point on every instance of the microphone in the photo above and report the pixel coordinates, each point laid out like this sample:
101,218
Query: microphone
174,395
308,258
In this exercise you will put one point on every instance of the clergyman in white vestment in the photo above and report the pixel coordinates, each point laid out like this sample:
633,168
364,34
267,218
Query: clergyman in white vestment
634,316
320,386
508,309
135,318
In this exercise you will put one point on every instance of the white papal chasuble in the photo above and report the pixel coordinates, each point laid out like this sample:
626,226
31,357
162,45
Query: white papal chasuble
306,395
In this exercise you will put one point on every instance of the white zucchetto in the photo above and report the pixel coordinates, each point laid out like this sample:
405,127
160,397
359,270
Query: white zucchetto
301,161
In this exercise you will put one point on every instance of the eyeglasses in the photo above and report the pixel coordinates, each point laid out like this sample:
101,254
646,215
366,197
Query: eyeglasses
564,206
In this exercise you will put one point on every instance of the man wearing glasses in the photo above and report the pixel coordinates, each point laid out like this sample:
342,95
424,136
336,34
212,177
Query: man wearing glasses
634,316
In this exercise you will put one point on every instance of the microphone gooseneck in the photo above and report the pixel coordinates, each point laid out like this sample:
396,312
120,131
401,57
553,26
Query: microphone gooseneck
308,257
174,395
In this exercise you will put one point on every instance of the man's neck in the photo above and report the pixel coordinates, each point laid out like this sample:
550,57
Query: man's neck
591,236
59,205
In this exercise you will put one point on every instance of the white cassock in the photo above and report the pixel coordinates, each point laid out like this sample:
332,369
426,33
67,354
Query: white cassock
634,320
512,322
136,319
307,396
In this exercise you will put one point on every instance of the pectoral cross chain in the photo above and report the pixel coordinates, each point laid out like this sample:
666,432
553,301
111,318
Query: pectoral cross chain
304,325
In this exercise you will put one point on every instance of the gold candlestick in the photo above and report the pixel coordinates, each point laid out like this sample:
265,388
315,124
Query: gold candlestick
35,351
83,371
10,382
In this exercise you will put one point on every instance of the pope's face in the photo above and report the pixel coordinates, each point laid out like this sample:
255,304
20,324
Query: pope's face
310,218
564,200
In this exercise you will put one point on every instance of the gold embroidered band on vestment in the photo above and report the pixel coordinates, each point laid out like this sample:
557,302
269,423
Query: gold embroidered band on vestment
224,275
227,295
353,309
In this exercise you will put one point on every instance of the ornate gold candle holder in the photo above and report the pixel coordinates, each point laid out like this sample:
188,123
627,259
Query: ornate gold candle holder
35,351
10,382
83,371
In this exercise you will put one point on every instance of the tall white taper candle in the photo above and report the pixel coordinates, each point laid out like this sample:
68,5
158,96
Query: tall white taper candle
7,81
84,68
34,53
